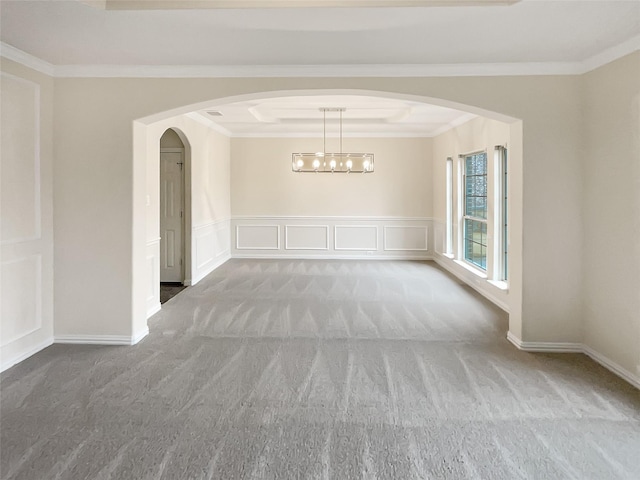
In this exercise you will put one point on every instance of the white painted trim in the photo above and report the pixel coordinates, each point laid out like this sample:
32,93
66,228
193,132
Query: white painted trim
94,339
330,219
426,238
26,59
363,249
257,248
569,347
210,224
153,242
286,237
303,71
612,366
560,347
23,356
136,337
216,264
611,54
153,310
37,164
319,71
364,256
448,267
471,268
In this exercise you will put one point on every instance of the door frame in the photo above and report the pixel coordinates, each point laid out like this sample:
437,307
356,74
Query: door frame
186,210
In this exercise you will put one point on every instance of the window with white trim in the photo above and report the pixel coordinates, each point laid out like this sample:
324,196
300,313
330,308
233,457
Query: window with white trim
474,217
448,249
502,233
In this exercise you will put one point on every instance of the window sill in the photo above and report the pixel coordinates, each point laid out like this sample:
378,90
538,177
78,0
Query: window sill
479,273
500,284
450,256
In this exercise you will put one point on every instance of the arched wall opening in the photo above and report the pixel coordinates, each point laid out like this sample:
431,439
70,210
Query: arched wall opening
215,233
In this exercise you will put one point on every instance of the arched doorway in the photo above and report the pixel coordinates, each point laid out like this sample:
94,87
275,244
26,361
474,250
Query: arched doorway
172,215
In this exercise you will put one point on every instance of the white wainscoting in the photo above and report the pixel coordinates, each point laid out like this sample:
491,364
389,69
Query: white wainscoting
153,277
211,248
331,237
402,238
306,237
26,270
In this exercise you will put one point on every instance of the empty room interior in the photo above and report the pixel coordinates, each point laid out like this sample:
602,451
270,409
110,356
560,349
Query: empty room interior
320,239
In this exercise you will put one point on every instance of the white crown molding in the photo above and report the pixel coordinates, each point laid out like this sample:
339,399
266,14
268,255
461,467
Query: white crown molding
322,71
23,58
611,54
303,71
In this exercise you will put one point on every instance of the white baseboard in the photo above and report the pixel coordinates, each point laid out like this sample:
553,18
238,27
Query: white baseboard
298,256
23,356
550,347
612,366
222,259
135,338
153,310
567,347
96,339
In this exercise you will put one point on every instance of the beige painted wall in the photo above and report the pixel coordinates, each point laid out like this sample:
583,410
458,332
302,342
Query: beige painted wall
611,202
262,182
100,185
26,156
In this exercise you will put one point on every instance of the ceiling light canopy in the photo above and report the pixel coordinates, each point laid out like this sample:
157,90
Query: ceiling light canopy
323,162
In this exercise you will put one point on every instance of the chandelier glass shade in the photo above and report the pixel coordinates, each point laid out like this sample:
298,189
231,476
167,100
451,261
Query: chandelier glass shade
323,162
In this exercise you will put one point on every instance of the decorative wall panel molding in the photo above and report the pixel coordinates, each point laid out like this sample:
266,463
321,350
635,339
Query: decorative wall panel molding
20,189
211,248
21,298
331,237
356,237
153,276
257,237
306,237
400,238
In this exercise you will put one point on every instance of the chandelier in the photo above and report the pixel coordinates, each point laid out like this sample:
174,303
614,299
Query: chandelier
323,162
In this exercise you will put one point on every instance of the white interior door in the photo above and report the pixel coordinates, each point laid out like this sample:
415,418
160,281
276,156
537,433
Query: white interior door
171,216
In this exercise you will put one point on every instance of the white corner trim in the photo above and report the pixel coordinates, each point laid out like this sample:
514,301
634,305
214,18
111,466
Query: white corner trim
23,356
153,310
140,335
567,347
23,58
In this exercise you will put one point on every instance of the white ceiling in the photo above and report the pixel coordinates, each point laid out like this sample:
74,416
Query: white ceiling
302,116
176,38
74,33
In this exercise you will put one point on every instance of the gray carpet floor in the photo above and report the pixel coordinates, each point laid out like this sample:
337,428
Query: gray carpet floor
318,369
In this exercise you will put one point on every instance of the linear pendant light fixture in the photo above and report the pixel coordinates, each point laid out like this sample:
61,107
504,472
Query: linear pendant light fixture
323,162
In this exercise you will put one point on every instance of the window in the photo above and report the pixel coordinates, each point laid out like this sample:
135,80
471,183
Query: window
449,232
502,233
475,209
